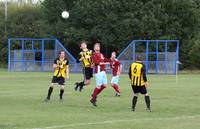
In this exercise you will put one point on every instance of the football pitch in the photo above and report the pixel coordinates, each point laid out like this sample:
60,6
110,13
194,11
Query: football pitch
175,104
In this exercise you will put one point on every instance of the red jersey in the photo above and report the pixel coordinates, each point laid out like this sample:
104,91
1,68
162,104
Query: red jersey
97,59
114,64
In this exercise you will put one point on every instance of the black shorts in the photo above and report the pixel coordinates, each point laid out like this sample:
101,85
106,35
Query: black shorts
59,80
88,73
139,89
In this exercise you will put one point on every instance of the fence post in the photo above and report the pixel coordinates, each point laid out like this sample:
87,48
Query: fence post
177,58
9,65
42,65
147,54
166,56
23,65
14,61
157,56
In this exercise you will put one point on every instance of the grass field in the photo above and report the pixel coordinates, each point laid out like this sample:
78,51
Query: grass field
175,104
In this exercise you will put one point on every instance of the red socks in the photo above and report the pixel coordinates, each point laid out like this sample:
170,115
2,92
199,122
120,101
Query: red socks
102,87
116,87
96,92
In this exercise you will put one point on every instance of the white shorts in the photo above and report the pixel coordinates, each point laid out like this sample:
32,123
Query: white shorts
101,78
115,80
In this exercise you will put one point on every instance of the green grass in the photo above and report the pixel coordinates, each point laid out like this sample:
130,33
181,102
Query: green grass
175,104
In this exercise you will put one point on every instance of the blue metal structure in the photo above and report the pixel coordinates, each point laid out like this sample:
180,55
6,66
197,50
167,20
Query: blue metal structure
160,56
23,54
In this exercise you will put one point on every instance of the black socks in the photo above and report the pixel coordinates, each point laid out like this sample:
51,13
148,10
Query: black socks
49,92
147,100
61,93
134,101
81,83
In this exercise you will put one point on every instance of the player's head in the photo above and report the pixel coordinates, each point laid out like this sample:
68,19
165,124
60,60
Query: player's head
62,54
83,44
113,55
138,58
97,47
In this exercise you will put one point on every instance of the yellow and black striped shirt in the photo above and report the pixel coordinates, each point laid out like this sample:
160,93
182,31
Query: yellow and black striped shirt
87,61
137,74
60,70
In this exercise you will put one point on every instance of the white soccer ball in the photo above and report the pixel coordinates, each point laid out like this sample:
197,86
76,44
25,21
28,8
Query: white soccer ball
65,14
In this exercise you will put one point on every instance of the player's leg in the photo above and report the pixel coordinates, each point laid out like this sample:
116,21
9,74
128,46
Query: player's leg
97,89
135,97
50,90
114,83
146,98
148,102
78,84
100,86
82,84
62,90
93,100
87,76
104,81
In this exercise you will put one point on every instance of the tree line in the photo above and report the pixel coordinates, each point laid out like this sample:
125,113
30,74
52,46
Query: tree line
113,22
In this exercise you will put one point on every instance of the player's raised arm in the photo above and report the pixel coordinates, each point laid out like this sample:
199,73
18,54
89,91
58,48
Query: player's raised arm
78,58
107,61
81,57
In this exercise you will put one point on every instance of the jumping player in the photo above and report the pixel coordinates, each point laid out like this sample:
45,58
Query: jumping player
61,71
137,75
116,71
100,74
85,56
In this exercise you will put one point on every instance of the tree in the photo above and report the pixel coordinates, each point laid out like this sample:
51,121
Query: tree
23,21
116,22
113,22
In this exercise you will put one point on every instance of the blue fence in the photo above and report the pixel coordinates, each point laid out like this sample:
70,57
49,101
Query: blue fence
36,54
159,56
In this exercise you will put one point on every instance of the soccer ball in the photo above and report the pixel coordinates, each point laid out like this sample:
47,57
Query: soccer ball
65,14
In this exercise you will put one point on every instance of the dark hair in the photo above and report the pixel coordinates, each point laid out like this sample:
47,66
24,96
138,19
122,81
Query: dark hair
97,43
83,41
138,58
61,51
